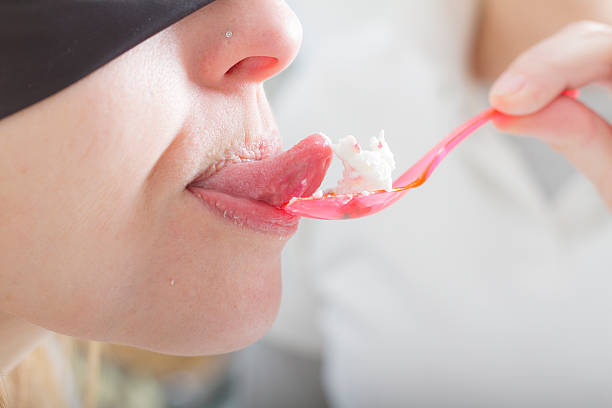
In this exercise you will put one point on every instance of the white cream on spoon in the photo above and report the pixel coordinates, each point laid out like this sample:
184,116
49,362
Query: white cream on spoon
364,170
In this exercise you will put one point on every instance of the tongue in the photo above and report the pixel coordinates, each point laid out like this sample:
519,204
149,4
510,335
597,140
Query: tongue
297,172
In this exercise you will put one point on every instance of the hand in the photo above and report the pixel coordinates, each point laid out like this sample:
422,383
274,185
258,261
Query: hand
530,91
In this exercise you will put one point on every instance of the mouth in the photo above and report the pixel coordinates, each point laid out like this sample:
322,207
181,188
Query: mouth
250,193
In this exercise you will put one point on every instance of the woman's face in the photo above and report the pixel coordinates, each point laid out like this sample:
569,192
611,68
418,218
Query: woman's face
99,235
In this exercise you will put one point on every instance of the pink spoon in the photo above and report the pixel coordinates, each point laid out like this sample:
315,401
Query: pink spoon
345,206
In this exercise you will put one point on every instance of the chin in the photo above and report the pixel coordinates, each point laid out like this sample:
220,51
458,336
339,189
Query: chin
246,317
205,286
224,309
237,328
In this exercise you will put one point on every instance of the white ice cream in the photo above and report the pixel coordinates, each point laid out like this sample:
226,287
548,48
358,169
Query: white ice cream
364,170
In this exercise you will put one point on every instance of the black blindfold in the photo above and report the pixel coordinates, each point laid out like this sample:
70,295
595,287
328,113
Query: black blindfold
46,45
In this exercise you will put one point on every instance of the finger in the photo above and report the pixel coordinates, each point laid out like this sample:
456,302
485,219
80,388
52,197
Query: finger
577,55
575,131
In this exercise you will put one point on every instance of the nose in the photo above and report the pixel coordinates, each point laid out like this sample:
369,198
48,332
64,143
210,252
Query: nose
232,42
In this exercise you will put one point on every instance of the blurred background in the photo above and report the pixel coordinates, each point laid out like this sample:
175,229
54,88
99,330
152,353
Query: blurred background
488,286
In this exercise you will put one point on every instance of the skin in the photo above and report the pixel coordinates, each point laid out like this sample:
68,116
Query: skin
99,237
579,55
507,28
568,44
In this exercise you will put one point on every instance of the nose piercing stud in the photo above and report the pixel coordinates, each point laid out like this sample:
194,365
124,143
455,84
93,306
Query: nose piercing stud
228,34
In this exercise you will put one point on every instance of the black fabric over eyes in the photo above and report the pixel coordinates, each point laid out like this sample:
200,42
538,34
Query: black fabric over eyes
46,45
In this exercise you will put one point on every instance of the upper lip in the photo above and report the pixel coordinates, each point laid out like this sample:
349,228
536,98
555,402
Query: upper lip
271,178
238,154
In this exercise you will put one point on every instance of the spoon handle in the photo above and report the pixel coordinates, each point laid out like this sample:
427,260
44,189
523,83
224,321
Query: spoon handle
421,170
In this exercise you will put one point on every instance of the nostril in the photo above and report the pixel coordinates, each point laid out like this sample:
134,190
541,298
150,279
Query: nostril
254,67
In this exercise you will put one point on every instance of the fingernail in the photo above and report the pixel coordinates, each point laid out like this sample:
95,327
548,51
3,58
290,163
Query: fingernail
508,84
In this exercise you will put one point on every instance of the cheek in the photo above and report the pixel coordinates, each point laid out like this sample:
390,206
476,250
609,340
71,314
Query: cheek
68,225
70,228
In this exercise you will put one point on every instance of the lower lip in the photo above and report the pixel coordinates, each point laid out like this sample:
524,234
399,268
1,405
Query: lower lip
248,213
